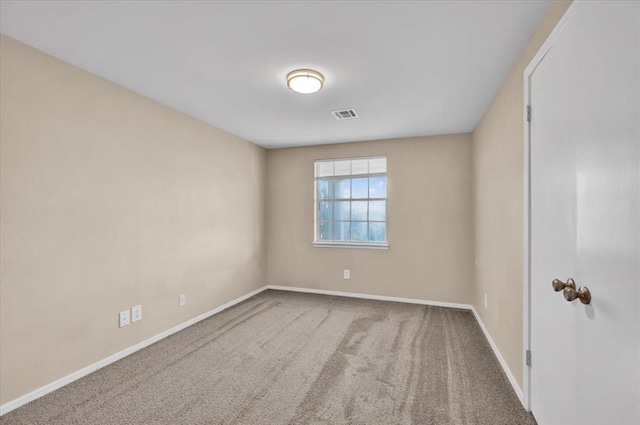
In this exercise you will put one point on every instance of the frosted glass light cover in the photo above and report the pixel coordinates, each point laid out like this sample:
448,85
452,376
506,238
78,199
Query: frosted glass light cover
305,81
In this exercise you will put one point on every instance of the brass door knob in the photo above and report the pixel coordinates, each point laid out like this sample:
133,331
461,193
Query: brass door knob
582,293
559,285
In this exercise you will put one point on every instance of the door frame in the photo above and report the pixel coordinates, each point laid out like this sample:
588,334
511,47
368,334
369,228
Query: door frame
526,260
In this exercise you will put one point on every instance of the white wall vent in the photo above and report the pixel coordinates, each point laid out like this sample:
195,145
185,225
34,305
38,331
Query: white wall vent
346,114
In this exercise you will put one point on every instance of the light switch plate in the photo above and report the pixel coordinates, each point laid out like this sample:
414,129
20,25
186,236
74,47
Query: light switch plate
124,317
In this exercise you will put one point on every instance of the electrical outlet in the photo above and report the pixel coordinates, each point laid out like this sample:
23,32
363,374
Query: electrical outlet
124,318
136,313
347,274
182,300
486,300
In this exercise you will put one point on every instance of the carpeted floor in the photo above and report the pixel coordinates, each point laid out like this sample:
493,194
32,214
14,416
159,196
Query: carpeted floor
290,358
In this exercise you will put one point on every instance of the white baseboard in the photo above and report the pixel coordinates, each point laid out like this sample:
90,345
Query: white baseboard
20,401
370,297
494,347
501,360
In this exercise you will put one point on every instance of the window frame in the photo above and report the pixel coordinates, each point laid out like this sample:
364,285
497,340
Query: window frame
316,203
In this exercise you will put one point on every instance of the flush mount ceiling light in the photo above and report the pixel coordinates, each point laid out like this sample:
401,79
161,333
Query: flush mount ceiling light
305,81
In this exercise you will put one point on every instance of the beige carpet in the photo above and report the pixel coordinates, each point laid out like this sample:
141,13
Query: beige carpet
288,358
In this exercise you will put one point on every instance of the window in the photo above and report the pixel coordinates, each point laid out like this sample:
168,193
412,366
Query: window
351,202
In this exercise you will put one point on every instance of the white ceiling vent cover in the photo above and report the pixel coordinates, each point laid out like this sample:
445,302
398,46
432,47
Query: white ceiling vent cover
346,114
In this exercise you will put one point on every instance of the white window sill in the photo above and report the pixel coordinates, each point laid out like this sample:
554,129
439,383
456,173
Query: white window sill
350,245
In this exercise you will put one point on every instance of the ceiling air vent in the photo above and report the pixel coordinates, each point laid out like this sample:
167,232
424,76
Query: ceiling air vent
347,114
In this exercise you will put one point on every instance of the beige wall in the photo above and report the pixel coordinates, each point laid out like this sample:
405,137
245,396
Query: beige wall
429,230
498,202
111,200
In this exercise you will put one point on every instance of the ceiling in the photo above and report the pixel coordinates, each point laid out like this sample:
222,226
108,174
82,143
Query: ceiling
409,68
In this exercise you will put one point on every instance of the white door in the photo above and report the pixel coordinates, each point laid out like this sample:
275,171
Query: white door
585,219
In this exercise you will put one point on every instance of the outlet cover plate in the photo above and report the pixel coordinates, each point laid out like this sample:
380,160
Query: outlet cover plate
182,300
136,313
347,274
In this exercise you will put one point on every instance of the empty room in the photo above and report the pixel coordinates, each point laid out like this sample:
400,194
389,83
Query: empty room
320,212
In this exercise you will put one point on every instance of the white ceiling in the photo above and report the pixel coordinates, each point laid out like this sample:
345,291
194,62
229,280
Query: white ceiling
409,68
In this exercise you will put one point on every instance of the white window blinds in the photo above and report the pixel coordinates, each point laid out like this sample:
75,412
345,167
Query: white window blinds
350,167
